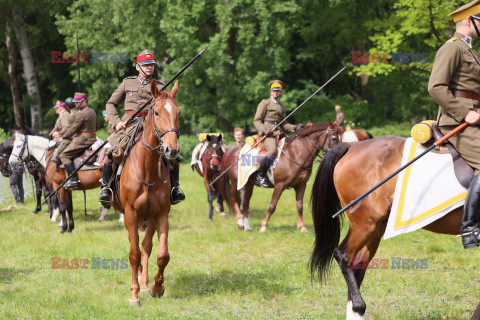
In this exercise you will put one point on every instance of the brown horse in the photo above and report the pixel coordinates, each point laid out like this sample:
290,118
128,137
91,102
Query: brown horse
144,189
211,160
340,179
293,170
42,150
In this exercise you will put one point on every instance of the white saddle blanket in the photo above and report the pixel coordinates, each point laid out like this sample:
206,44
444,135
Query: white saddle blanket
425,191
349,136
249,164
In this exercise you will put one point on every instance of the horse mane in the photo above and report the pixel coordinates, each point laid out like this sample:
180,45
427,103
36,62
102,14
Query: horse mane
29,131
308,130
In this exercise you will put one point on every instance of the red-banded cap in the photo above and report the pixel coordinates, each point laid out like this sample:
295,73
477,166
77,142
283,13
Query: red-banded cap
59,104
79,96
144,57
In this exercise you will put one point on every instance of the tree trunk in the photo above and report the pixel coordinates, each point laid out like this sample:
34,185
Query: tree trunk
29,73
12,75
365,94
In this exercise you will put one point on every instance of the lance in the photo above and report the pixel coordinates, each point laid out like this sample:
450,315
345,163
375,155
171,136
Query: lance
435,144
130,120
79,83
279,124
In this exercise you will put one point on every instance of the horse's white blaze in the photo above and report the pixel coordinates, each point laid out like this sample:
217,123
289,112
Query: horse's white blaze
169,107
352,315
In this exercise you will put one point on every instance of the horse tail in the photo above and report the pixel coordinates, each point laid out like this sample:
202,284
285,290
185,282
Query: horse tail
325,203
369,135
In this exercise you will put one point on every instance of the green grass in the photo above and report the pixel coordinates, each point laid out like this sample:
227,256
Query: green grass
219,272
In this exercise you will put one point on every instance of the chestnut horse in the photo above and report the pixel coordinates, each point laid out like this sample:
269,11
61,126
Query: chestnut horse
341,179
42,150
143,191
293,170
211,162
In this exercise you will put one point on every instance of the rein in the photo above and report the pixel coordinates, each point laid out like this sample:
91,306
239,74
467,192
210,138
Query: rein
328,137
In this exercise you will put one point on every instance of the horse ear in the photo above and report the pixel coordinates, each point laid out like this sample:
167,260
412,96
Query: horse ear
220,136
330,124
173,93
153,88
208,138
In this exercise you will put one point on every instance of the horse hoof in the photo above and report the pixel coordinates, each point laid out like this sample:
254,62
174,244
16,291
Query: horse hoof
303,229
248,229
134,302
223,214
239,227
101,218
157,293
210,219
70,230
63,230
263,229
35,212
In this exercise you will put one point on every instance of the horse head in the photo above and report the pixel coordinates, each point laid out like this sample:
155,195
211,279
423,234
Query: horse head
5,151
214,152
335,135
164,118
20,149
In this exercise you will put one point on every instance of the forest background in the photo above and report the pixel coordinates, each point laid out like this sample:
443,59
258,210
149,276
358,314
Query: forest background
391,46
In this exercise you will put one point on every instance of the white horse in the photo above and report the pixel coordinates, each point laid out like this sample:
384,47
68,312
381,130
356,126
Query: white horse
37,146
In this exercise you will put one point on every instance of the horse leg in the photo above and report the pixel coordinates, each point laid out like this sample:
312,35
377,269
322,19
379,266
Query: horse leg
134,256
233,199
277,192
62,207
299,193
71,225
220,209
146,251
163,257
104,213
210,205
38,194
361,243
246,203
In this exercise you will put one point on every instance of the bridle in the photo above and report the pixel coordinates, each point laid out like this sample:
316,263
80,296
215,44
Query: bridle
24,147
159,148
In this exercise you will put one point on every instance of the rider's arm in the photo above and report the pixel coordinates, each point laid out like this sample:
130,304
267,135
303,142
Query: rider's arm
112,105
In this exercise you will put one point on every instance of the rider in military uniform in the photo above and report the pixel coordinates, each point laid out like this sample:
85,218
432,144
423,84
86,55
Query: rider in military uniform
455,85
269,113
62,121
66,122
134,92
340,118
83,131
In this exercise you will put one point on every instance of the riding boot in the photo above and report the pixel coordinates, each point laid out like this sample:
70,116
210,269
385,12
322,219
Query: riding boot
176,194
261,179
73,183
471,216
106,193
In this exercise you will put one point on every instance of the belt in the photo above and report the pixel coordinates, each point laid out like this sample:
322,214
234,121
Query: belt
466,94
271,122
140,114
86,132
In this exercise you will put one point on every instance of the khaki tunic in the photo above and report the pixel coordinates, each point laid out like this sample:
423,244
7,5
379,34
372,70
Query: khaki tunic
341,120
71,118
457,67
273,111
62,122
83,132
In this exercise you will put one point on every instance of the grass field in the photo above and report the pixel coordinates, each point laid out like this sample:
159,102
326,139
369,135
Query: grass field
219,272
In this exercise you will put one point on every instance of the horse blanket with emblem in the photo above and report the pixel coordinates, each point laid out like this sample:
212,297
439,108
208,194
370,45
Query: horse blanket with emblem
251,162
425,191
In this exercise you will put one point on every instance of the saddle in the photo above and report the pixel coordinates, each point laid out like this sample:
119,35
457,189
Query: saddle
95,162
263,151
463,171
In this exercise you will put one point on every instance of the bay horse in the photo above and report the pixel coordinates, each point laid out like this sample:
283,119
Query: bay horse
42,150
341,179
211,164
143,191
293,170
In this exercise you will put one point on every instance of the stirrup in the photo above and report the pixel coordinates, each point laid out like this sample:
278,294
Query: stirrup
180,197
103,201
262,182
473,236
72,185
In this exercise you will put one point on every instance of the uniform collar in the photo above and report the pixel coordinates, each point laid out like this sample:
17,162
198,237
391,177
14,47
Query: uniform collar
273,99
144,81
464,38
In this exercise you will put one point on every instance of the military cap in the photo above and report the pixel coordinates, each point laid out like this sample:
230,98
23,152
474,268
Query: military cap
79,96
144,57
338,107
59,104
277,84
472,8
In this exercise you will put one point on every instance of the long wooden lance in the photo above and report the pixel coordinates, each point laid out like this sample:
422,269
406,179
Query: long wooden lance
435,144
279,124
129,120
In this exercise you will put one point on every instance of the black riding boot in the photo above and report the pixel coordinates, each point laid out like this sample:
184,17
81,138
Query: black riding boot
73,183
176,194
471,216
106,193
261,179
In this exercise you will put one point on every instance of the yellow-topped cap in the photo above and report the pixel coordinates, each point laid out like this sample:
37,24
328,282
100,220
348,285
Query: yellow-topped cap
472,8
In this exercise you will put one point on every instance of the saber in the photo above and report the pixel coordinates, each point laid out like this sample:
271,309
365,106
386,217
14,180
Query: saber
280,123
79,83
128,121
435,144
